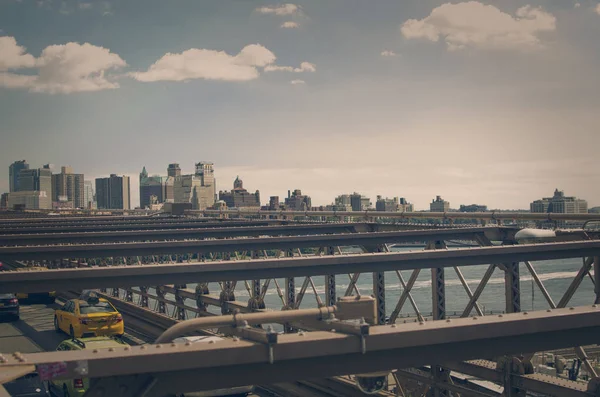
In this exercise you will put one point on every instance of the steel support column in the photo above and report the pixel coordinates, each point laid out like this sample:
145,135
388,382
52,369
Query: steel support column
143,302
330,297
160,304
438,286
180,300
290,284
597,279
512,287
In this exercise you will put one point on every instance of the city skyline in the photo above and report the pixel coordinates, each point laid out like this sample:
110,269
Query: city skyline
326,97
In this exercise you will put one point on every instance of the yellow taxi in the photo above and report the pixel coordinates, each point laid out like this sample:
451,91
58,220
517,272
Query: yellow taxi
88,315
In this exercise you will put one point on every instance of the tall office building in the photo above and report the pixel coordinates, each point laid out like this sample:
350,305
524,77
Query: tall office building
239,197
151,186
439,205
113,192
393,205
29,199
173,170
68,186
13,174
205,171
88,195
4,200
38,179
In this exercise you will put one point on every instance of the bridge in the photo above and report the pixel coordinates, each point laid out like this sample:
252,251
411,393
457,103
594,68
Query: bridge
152,272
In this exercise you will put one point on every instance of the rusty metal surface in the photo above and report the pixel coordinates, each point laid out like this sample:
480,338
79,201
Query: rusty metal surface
180,273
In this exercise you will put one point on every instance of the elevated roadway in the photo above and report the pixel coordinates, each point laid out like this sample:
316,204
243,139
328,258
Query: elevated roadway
182,273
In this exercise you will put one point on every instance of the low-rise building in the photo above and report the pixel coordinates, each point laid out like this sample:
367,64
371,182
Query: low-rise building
473,208
296,201
393,205
30,199
559,203
239,197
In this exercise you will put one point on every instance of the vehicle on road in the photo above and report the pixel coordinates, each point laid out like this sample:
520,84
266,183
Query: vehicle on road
9,306
78,387
29,385
231,391
89,315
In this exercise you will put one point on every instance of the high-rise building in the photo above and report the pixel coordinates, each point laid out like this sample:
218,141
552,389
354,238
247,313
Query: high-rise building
69,185
359,202
189,189
173,170
13,174
239,197
439,205
296,201
559,203
205,171
151,186
38,179
393,205
113,192
88,195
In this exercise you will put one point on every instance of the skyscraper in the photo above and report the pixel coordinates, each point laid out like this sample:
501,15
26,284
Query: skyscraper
205,171
38,179
88,195
173,170
69,186
13,174
113,192
151,186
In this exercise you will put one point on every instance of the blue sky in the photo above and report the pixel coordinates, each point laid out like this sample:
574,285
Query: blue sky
487,102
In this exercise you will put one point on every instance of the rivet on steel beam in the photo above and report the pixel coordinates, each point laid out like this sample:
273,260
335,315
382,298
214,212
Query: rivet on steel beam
95,351
142,347
525,313
421,323
500,315
474,318
188,344
111,349
394,326
126,348
594,305
210,341
549,310
236,339
571,308
448,320
301,333
173,344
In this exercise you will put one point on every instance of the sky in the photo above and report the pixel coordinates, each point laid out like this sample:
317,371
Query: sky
487,102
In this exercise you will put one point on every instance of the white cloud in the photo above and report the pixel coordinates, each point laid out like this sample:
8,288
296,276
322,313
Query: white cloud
85,6
298,82
208,64
65,68
388,53
473,24
598,9
13,56
304,67
285,9
290,25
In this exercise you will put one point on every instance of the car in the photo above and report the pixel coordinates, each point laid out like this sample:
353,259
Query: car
78,387
89,315
29,385
231,391
9,305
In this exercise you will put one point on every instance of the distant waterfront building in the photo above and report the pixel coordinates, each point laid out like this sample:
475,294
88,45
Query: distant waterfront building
36,180
89,199
439,205
351,202
239,197
205,171
31,200
70,185
296,201
4,200
559,203
274,203
113,192
13,174
473,208
150,186
393,205
594,210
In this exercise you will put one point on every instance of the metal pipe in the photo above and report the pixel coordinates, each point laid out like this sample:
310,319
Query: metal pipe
238,319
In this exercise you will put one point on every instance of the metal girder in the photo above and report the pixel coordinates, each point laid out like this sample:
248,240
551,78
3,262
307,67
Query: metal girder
33,252
172,234
539,383
46,228
322,354
181,273
495,216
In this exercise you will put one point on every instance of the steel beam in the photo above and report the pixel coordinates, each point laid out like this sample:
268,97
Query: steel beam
180,368
231,245
182,273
